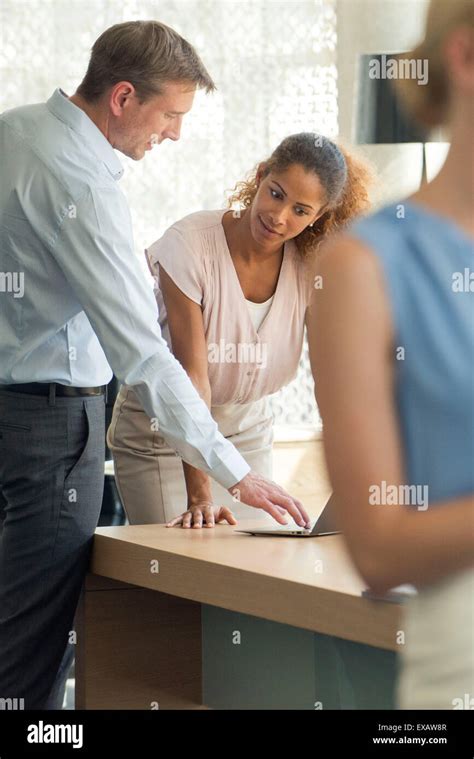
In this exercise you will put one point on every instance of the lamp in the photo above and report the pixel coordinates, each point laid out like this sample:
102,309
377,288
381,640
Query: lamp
380,119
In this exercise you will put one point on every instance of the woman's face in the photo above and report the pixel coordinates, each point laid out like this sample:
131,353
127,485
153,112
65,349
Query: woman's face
285,204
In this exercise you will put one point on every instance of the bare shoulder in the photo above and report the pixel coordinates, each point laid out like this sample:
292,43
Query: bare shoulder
346,262
349,287
347,252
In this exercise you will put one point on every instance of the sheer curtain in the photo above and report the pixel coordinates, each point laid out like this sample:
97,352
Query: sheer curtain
274,64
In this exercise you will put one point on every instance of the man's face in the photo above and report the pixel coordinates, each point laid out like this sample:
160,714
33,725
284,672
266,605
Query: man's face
134,128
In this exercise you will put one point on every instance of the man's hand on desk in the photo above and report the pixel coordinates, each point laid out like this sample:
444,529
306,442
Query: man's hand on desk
203,513
255,490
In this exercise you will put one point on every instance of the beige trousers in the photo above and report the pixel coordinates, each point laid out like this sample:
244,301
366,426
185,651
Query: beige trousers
437,658
149,474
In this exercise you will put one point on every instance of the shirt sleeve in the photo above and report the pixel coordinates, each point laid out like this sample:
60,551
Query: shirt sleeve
181,260
95,253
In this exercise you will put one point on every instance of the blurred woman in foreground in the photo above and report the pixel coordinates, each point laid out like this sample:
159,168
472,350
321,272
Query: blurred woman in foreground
396,397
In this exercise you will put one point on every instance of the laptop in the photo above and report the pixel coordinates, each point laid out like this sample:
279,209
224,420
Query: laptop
324,525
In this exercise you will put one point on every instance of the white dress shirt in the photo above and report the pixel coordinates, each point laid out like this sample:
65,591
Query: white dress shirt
74,300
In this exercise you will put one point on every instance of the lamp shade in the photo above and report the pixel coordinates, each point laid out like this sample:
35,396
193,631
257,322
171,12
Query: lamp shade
380,119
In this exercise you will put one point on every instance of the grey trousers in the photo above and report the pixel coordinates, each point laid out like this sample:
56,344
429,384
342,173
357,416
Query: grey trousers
51,484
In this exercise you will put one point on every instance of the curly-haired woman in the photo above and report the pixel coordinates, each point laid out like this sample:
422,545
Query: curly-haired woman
233,290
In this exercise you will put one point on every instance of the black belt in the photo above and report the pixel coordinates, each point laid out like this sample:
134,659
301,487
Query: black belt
53,388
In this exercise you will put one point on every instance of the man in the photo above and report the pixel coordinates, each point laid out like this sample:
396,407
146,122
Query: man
74,304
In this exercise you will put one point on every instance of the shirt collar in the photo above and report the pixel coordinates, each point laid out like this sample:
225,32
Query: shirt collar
60,105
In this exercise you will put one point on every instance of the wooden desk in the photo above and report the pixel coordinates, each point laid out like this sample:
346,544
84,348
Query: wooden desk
156,597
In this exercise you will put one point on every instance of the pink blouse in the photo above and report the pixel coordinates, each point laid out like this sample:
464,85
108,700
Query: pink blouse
244,364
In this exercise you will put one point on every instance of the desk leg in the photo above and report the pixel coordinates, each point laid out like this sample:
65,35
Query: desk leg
253,663
136,648
352,675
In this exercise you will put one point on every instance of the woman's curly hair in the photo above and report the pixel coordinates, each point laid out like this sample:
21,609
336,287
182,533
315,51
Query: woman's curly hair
346,180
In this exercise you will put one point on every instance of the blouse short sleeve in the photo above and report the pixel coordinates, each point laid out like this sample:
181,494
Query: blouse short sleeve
180,258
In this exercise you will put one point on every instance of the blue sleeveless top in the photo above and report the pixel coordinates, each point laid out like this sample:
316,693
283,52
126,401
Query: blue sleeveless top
427,262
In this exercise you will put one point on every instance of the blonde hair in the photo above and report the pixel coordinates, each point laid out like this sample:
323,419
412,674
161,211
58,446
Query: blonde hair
145,53
345,177
429,103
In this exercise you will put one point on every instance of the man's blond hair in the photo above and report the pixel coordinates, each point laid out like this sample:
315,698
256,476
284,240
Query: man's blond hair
145,53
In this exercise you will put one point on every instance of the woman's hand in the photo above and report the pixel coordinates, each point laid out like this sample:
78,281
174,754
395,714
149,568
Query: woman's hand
203,513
